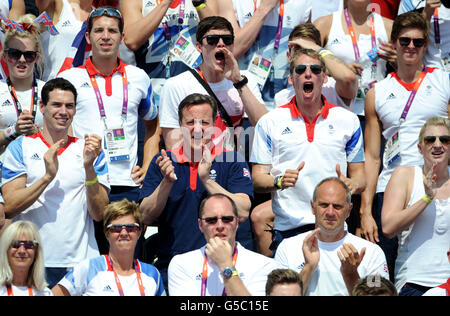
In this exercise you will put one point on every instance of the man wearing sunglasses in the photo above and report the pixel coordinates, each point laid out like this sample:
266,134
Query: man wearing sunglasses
395,109
113,97
219,71
178,180
300,143
227,267
415,207
438,14
58,182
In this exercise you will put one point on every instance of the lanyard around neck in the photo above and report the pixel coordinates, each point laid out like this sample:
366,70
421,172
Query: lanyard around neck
98,95
11,293
352,33
119,285
413,94
205,273
34,97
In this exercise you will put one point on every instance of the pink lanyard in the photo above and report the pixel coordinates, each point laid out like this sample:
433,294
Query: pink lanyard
413,94
437,33
119,285
98,95
10,291
205,273
280,23
166,28
351,30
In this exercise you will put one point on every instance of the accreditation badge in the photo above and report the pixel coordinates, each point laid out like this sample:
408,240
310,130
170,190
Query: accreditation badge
184,49
260,68
392,149
116,145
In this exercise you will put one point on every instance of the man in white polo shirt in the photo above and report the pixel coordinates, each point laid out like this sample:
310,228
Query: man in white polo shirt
58,182
219,71
307,140
331,260
222,266
112,97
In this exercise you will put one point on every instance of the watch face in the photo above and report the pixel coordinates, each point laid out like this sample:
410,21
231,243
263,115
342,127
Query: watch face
227,272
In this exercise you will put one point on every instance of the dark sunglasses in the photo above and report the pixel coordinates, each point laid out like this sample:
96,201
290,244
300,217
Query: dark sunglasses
213,220
445,139
28,244
117,228
315,69
227,39
418,42
111,12
15,54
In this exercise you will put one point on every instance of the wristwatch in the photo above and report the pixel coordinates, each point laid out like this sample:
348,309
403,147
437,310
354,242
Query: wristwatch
277,182
196,3
229,272
238,85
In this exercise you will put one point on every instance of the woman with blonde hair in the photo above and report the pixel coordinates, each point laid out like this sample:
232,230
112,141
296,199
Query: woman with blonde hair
20,91
22,269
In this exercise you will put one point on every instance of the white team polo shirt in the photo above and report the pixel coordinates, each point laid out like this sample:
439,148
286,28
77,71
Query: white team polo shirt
391,95
327,278
94,277
284,138
60,212
185,273
88,119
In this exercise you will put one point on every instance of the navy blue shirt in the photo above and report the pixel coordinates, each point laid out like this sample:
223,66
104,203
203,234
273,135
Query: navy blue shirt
177,225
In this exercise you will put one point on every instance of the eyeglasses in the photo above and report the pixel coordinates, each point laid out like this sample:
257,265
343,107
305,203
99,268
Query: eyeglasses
444,139
111,12
418,42
213,220
227,39
315,69
117,228
15,54
28,244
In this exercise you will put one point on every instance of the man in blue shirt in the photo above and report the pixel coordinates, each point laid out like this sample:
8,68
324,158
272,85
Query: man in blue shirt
178,180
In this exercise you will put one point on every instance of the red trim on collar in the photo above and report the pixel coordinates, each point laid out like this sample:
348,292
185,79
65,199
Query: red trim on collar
61,150
92,71
409,85
193,166
295,112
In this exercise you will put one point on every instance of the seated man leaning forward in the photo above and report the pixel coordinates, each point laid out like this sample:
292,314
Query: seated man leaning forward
227,267
178,180
330,259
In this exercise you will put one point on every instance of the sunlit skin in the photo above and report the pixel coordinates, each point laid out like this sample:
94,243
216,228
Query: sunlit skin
226,231
286,289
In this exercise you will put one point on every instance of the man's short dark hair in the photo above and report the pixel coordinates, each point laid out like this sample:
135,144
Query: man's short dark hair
411,19
196,99
307,30
106,10
212,23
282,276
220,196
57,83
374,285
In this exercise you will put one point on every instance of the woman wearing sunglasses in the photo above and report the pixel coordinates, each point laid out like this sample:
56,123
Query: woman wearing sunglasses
20,92
22,270
417,208
396,108
116,273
